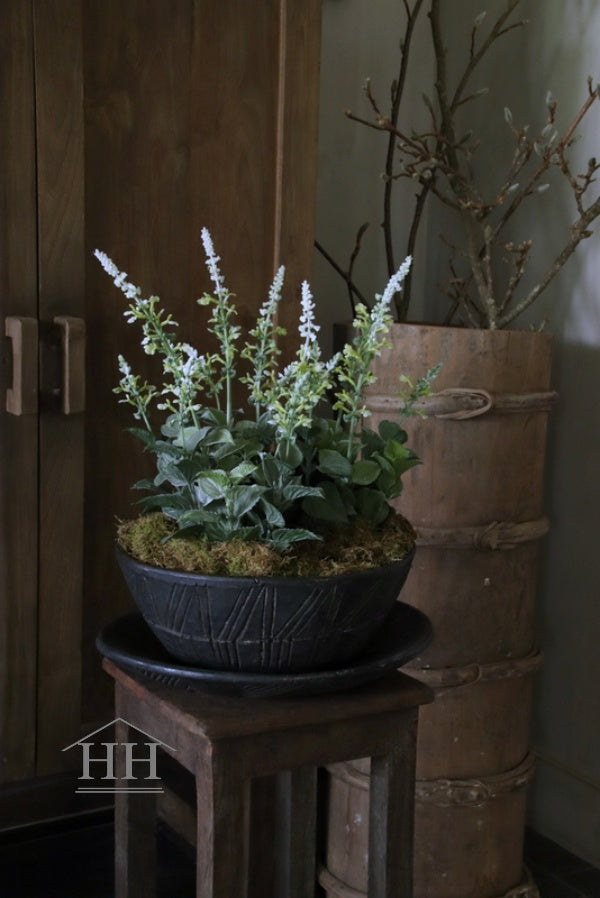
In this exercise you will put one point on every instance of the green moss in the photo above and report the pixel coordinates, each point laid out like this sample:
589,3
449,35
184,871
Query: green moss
343,550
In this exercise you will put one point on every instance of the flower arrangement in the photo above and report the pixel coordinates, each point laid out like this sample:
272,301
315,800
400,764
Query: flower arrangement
300,463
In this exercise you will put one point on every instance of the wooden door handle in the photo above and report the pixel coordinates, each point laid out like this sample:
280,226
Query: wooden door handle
72,339
22,396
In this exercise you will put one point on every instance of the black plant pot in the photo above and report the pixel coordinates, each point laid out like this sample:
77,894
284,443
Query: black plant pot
266,625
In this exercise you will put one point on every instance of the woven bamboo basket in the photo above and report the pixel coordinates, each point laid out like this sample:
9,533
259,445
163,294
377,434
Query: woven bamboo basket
477,505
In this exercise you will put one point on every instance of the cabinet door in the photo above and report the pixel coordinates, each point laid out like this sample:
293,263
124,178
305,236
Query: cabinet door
18,433
140,121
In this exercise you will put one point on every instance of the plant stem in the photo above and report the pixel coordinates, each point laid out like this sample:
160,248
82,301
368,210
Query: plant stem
228,392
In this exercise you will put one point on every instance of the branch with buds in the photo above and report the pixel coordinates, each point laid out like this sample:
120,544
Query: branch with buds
487,267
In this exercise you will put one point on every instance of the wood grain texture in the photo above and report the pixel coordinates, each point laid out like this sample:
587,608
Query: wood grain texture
135,820
297,140
295,847
18,435
223,801
126,127
182,131
217,717
226,742
391,814
482,474
22,394
59,118
179,112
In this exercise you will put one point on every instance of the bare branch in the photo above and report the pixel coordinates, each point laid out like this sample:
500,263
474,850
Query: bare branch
496,32
441,161
579,231
353,257
411,18
520,255
355,292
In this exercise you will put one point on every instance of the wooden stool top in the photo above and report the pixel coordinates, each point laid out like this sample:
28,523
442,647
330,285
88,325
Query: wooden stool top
217,717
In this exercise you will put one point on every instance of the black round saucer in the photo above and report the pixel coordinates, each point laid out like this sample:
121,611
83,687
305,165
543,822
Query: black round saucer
130,644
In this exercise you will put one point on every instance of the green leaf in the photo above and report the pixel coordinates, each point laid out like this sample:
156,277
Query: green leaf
170,428
395,451
272,472
169,471
371,442
187,531
387,479
218,530
246,533
242,499
273,469
391,430
403,465
243,470
394,463
147,438
249,448
211,485
347,494
163,500
290,454
293,491
329,508
218,435
189,437
143,485
194,517
246,427
172,512
372,505
283,538
273,516
163,447
334,463
401,458
365,472
214,416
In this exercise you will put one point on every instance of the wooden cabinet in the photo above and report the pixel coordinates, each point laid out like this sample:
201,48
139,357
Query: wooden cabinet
125,125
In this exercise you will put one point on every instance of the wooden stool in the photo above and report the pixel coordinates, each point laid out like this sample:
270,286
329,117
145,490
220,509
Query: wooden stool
226,741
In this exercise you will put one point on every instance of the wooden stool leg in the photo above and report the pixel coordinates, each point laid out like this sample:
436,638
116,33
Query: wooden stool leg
135,834
262,837
391,816
297,833
223,803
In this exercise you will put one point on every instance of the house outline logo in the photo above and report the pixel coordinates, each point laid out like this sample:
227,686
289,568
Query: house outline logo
123,783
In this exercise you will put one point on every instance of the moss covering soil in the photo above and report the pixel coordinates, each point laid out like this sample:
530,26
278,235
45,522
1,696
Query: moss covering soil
150,539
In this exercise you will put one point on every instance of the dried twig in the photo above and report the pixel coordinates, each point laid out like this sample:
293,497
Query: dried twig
439,161
353,289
